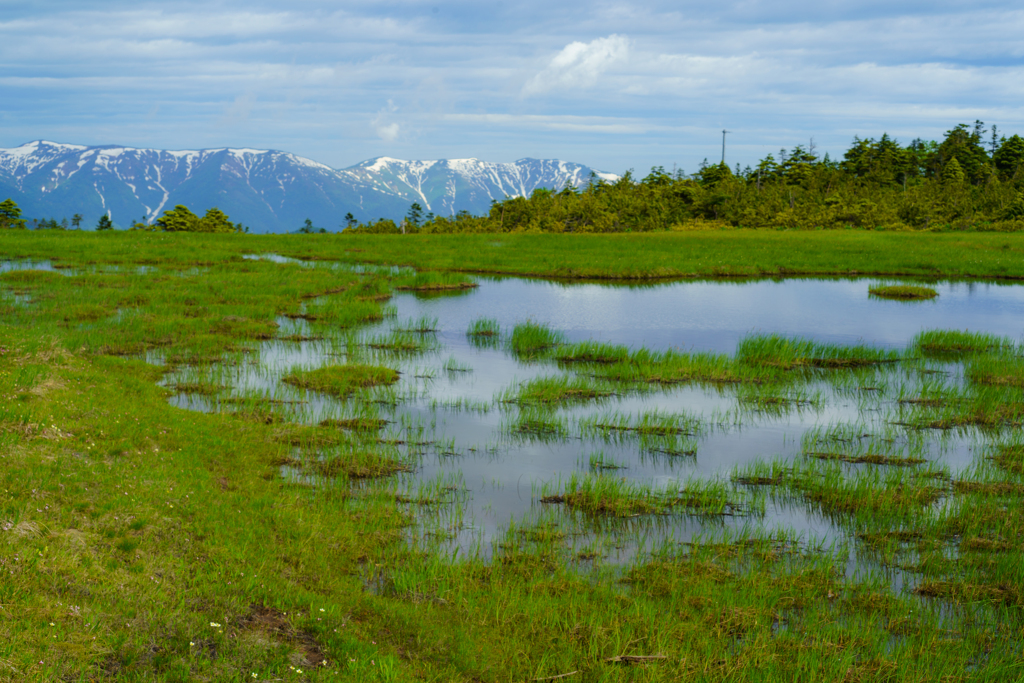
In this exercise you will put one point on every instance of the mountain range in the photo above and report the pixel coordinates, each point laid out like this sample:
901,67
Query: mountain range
266,190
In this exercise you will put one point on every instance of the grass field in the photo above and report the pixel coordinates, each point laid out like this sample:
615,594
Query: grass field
141,541
712,253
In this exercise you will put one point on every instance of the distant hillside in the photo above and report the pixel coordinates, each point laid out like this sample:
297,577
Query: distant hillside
267,190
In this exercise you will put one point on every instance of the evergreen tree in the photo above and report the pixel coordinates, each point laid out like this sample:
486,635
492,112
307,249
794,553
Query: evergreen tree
708,175
76,221
1016,209
181,219
178,219
414,216
966,147
953,173
10,216
216,220
1009,158
142,224
104,223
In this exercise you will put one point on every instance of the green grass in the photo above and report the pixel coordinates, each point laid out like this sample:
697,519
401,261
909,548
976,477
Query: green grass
531,340
943,343
902,292
484,327
162,544
398,342
431,281
356,423
453,364
556,390
603,494
341,380
422,325
651,423
748,253
986,407
536,424
673,367
1004,370
788,353
732,253
592,352
601,462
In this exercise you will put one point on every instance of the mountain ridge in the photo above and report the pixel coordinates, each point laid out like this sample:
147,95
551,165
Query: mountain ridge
268,190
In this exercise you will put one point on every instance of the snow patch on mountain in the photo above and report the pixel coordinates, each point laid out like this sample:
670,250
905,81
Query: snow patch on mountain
269,190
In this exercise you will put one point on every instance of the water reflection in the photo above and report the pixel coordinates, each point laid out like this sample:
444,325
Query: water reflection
713,316
452,426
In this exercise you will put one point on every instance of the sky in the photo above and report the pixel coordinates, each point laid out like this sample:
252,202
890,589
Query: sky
612,85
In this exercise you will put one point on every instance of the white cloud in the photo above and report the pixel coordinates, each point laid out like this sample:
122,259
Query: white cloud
579,65
656,86
587,124
239,110
388,132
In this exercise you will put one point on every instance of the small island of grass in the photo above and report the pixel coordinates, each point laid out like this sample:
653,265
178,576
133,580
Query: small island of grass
902,292
341,380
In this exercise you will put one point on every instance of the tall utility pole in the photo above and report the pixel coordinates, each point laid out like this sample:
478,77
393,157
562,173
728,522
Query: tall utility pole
723,145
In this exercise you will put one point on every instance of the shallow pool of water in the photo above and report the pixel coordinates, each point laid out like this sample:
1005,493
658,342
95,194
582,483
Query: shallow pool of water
713,316
463,435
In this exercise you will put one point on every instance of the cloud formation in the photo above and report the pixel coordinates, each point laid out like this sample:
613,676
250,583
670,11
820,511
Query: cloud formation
579,65
386,131
613,85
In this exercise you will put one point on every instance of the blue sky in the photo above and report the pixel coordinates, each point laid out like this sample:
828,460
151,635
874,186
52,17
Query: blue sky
609,84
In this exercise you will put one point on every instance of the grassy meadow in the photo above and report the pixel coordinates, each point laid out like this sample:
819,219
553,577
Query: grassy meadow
142,541
625,256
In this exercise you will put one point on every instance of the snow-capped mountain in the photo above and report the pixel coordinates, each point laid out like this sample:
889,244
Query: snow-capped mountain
267,190
448,186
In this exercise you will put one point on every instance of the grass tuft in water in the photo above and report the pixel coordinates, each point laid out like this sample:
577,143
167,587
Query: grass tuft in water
793,352
359,424
530,339
902,292
357,465
198,388
484,327
399,342
422,325
341,380
592,352
996,370
673,367
453,364
537,424
601,494
599,461
558,389
648,423
434,281
945,343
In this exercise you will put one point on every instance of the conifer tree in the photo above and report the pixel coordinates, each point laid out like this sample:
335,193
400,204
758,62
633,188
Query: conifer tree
178,219
953,172
10,216
216,220
1009,157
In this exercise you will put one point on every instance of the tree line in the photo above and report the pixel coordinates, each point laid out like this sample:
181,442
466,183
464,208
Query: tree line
178,219
972,180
